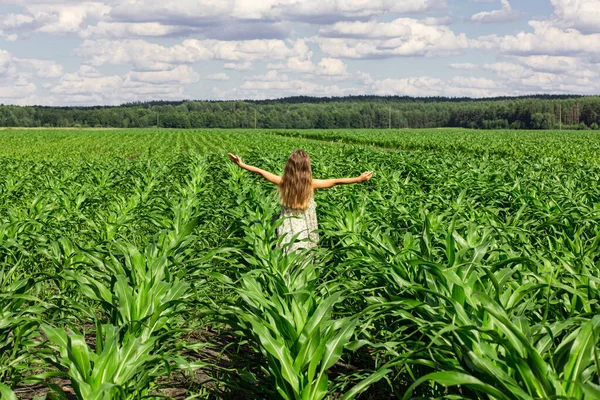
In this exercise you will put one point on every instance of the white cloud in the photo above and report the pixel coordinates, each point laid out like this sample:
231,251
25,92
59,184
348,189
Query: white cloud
6,65
218,19
332,66
273,89
505,14
465,66
294,65
274,83
149,56
43,68
61,18
545,74
89,86
437,20
8,37
558,54
14,21
332,10
15,84
430,86
553,64
127,29
270,76
583,15
193,12
238,66
220,76
401,27
14,93
508,70
15,68
401,37
181,74
179,12
547,39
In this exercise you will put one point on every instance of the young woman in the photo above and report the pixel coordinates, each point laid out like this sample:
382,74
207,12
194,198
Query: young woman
296,188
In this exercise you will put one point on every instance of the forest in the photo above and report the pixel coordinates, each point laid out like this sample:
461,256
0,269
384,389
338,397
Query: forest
301,112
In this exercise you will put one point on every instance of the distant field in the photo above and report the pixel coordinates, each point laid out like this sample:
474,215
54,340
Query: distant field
142,262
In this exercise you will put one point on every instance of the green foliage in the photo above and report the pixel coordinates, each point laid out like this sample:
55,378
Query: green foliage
468,267
354,112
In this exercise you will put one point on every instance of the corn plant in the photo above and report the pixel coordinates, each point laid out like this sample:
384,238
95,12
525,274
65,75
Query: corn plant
20,316
289,315
467,268
121,367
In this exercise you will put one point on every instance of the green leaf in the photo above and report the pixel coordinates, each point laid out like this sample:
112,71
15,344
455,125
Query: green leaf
452,378
365,383
6,393
581,354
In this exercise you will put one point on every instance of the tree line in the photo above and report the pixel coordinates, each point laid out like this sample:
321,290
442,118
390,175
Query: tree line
354,112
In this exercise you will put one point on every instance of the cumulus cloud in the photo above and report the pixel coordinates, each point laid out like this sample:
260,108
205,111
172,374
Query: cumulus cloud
163,46
256,90
465,66
244,66
6,65
43,68
583,15
219,76
150,56
61,19
8,37
333,10
127,29
184,12
431,86
16,86
547,74
401,37
182,74
195,13
553,64
89,86
332,67
546,39
15,68
275,83
505,14
328,66
15,21
17,92
211,19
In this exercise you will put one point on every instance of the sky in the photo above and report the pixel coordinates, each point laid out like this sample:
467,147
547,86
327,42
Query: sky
109,52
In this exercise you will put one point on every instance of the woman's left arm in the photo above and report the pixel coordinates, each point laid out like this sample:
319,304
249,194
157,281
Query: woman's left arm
328,183
265,174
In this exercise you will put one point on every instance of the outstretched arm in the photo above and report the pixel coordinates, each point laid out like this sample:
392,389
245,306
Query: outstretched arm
265,174
327,183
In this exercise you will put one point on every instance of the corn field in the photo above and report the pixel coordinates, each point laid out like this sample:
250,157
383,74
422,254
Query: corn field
142,264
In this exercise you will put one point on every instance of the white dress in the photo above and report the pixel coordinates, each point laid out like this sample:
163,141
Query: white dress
299,222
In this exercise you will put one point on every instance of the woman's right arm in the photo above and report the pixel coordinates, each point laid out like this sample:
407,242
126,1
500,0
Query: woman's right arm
327,183
265,174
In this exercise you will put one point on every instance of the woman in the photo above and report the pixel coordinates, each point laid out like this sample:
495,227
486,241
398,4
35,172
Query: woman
296,188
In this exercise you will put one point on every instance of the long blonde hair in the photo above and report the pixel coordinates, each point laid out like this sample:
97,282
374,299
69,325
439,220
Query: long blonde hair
296,189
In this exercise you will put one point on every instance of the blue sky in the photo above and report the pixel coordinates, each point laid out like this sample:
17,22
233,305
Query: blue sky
67,52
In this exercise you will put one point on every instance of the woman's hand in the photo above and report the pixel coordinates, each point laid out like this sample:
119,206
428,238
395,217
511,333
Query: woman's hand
235,159
365,176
